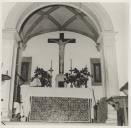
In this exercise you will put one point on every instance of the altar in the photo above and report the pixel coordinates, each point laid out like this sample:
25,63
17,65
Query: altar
58,104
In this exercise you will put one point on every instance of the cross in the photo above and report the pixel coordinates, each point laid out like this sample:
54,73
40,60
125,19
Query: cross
71,70
61,42
51,70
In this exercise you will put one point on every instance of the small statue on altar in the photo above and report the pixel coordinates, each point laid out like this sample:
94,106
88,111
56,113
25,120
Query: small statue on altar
36,81
41,78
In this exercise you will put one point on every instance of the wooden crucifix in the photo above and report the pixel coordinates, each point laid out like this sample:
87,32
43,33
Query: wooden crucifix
61,42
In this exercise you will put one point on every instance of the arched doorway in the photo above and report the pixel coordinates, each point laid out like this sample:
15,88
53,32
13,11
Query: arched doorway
99,28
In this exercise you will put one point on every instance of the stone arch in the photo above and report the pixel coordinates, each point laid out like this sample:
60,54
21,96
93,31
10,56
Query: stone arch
94,10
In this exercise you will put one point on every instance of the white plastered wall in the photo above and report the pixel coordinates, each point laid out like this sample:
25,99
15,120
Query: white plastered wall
42,52
119,16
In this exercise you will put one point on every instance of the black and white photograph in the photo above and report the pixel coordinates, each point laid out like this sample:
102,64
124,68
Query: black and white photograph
65,63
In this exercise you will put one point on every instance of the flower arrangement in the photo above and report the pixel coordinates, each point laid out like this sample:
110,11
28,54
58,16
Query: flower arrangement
78,78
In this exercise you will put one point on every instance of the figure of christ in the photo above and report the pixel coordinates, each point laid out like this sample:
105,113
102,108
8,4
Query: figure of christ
61,42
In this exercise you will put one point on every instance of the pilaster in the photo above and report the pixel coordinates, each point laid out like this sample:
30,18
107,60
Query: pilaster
18,68
109,54
9,50
111,74
99,48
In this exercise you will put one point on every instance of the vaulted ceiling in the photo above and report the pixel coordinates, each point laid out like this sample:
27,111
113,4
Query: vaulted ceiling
58,18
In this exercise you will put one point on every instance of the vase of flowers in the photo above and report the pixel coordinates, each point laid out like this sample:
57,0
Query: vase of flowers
78,78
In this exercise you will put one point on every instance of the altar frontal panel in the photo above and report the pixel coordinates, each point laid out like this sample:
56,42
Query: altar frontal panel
60,109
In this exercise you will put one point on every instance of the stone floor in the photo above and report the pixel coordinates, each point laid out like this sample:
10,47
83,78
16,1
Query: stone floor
58,124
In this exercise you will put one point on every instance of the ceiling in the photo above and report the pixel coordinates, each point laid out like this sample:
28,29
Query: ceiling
58,18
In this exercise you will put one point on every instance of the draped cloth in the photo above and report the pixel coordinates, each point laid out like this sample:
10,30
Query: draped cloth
25,98
17,107
27,91
92,97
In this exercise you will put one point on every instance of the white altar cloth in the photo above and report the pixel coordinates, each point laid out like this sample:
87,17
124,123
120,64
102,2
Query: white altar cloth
61,92
28,91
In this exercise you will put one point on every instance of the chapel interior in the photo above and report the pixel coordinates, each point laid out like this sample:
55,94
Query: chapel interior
62,65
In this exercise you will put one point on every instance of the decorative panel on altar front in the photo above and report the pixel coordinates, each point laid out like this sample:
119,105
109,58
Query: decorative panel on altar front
60,109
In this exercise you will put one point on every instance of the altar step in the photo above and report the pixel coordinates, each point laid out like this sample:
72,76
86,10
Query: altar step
57,124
